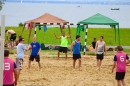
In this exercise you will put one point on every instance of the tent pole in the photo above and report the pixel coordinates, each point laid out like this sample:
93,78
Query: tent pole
60,29
118,35
70,33
115,33
23,29
85,42
2,48
30,32
35,32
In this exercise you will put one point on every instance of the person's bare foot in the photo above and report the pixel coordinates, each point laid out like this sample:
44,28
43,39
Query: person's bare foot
28,69
40,69
97,68
73,68
80,69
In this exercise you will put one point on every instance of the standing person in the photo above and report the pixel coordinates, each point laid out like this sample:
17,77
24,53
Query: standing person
120,60
9,71
75,46
64,44
35,52
20,55
94,43
12,38
100,49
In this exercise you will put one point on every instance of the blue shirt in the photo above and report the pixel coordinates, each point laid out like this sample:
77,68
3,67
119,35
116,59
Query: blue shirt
20,50
35,48
76,48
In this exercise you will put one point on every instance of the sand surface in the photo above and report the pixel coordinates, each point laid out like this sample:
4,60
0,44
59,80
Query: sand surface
60,73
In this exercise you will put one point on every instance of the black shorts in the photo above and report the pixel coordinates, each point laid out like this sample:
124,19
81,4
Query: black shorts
13,37
100,56
120,75
63,49
76,56
37,58
9,85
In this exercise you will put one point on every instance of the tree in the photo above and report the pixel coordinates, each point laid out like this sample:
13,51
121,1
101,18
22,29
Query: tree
1,3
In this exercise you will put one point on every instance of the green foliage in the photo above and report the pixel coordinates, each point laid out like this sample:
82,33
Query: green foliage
1,2
21,24
48,36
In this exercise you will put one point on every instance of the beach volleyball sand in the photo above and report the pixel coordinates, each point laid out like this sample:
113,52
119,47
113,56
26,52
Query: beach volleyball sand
60,73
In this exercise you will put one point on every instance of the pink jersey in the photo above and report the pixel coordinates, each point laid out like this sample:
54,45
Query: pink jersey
9,67
120,58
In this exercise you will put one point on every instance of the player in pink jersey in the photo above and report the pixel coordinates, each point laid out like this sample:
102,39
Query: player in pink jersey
120,64
9,70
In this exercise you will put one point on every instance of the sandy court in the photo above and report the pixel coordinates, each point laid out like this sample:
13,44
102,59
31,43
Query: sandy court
60,73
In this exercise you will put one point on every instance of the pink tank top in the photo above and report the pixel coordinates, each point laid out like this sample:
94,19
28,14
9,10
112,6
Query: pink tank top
8,71
121,62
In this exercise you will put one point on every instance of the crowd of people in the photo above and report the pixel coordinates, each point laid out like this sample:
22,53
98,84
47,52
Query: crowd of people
11,67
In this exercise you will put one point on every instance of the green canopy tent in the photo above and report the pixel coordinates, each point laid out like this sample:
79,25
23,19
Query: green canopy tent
99,19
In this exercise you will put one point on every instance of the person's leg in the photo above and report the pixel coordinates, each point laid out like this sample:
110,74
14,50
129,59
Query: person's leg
37,58
39,64
119,82
14,43
31,58
100,63
123,82
74,61
11,44
66,56
18,72
29,64
58,54
79,64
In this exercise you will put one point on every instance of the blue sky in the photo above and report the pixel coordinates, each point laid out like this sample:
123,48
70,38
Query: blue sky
70,0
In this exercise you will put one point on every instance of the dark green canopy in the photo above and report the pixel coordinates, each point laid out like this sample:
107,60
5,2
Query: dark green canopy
99,19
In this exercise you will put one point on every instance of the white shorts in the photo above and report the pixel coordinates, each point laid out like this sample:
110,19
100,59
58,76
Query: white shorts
19,63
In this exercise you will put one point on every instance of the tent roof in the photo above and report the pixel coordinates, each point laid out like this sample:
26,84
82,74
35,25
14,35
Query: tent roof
47,18
99,19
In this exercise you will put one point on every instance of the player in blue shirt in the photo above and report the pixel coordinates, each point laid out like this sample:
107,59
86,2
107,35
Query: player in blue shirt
76,51
35,52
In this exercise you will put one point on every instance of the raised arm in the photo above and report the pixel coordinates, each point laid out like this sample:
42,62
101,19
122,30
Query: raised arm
69,36
71,47
56,36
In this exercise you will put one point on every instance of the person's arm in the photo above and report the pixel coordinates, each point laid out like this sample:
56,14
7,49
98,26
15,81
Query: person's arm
15,75
71,47
57,37
96,47
128,62
39,49
28,48
69,36
114,65
105,47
